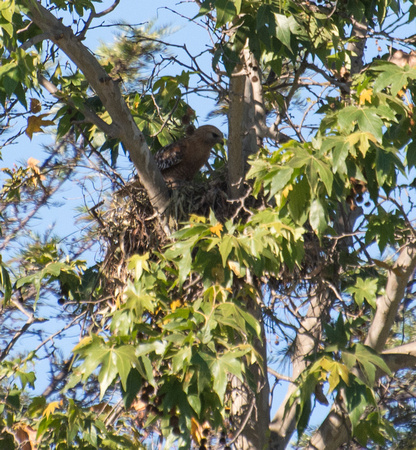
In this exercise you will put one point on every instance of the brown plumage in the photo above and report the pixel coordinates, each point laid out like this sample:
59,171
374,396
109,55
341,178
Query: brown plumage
181,160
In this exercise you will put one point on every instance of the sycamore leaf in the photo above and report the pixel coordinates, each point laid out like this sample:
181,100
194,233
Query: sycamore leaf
283,29
50,409
337,371
394,76
196,430
364,289
35,124
216,229
369,360
139,263
365,96
226,11
358,398
366,118
33,164
175,304
112,361
317,216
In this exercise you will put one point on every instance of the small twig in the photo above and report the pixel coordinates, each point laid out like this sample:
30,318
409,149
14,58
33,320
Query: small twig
279,376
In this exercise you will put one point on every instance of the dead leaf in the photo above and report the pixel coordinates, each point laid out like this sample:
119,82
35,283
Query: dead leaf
35,124
35,105
196,431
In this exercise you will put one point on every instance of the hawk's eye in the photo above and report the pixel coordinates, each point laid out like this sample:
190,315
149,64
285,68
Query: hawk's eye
215,135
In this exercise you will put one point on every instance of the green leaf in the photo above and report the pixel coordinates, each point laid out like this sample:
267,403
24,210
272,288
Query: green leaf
364,289
233,316
133,386
283,29
366,118
225,247
280,179
340,149
325,174
226,11
358,397
137,301
317,216
8,12
394,76
125,359
139,263
367,356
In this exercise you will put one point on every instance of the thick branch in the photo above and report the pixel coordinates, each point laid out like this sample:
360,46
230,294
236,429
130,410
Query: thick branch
123,124
388,304
357,45
402,357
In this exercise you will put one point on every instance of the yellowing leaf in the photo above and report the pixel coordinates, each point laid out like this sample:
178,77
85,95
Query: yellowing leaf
35,124
286,190
235,267
50,409
216,229
196,431
193,218
175,304
365,96
82,343
32,163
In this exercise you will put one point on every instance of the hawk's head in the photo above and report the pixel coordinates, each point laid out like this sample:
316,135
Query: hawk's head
209,135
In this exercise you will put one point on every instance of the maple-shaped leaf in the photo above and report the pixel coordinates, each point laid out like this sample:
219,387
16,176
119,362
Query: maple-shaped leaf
216,229
365,96
35,124
50,409
394,76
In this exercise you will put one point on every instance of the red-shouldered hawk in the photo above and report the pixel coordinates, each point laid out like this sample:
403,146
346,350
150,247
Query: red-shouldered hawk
182,159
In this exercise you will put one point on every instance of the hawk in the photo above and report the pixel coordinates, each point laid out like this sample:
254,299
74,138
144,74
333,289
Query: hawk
181,160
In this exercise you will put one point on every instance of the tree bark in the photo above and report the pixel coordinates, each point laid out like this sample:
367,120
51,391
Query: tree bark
236,134
388,304
123,126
